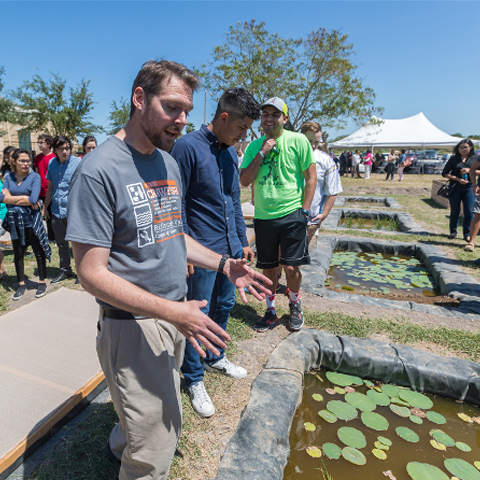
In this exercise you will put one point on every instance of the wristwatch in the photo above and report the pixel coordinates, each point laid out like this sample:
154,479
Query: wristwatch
223,260
305,212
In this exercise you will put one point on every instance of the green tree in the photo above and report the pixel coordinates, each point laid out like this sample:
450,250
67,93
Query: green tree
189,127
315,75
6,106
119,115
52,107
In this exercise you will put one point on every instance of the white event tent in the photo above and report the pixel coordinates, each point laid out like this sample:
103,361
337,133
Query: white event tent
416,131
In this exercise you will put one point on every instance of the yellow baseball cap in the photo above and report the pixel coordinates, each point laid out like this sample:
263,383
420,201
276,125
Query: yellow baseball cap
278,103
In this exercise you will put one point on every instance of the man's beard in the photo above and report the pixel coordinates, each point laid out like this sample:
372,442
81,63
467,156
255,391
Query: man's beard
155,136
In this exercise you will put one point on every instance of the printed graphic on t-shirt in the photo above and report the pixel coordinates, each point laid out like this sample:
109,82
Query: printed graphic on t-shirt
156,206
271,176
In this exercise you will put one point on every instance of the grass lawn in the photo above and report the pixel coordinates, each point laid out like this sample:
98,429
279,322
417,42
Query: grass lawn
79,457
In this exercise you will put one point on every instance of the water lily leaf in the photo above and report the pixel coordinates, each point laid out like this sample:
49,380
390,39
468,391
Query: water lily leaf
416,419
379,398
380,454
309,427
314,452
416,399
330,391
477,464
437,445
339,390
390,390
360,401
465,417
407,434
317,397
332,451
338,285
386,441
424,471
435,417
400,411
342,379
463,447
381,446
374,421
350,289
352,437
399,401
368,383
329,417
461,469
354,456
442,437
349,389
342,410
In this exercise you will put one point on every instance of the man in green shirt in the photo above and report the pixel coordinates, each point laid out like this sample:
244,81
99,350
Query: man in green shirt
282,169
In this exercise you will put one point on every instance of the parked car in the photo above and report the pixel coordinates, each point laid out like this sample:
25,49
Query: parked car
446,157
428,155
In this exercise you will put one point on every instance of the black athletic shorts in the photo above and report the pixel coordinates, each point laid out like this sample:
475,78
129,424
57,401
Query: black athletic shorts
289,233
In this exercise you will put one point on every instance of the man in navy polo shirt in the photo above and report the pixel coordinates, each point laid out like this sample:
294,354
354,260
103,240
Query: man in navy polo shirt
212,215
59,175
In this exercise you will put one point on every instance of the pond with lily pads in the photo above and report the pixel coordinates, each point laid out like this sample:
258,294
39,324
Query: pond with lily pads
367,272
347,427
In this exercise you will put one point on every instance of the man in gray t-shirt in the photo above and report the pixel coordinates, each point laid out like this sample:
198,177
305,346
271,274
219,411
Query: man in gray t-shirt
131,252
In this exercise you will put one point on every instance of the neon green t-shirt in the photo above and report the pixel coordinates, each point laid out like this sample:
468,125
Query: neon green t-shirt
279,184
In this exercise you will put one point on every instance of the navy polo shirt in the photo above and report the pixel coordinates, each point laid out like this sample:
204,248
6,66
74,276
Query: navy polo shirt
211,207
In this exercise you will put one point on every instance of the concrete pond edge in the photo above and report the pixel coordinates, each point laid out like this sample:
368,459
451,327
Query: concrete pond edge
389,202
452,280
259,448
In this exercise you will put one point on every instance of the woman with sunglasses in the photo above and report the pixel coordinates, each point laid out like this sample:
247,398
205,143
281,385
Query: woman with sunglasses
20,193
457,170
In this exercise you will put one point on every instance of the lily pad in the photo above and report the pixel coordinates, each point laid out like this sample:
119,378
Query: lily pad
461,469
390,390
400,411
463,447
425,471
342,410
329,417
399,401
332,451
466,418
381,399
354,456
360,401
368,383
374,421
437,445
317,397
386,441
314,452
416,399
436,417
342,379
380,454
416,419
381,446
339,390
407,434
477,464
352,437
309,427
442,437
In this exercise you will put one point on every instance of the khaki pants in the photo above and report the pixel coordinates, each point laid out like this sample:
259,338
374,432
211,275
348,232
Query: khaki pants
141,361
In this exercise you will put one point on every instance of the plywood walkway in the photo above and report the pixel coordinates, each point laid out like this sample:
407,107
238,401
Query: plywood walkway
48,365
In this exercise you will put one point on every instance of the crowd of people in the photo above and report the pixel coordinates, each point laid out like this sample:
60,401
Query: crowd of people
33,206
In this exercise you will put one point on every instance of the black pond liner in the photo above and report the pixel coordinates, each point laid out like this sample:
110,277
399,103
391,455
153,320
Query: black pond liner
259,448
451,279
389,202
406,223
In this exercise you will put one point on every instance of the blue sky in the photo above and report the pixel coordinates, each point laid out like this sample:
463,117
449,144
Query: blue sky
418,56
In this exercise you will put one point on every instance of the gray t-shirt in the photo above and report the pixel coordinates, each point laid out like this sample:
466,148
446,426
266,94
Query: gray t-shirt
131,204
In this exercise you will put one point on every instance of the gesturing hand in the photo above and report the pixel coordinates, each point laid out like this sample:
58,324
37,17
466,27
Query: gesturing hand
243,277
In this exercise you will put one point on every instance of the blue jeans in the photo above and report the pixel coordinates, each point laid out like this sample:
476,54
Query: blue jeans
461,194
220,293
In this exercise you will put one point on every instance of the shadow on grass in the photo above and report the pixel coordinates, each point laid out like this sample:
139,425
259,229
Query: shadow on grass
433,204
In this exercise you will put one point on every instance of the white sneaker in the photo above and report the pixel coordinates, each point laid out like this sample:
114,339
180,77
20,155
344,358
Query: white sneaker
225,366
200,399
